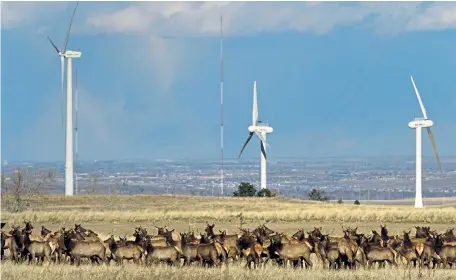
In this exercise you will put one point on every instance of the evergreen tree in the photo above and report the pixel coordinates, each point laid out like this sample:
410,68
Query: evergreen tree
245,190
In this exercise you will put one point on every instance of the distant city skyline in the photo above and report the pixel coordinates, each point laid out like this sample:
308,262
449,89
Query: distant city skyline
385,178
331,84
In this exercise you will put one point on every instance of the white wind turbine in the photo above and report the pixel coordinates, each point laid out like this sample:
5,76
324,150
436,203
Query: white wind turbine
417,124
260,129
68,55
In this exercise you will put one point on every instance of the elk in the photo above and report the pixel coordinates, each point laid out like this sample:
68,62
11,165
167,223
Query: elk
422,232
33,236
406,249
330,252
77,249
375,253
449,238
37,249
251,249
348,248
129,252
16,244
384,234
189,250
208,253
170,254
446,253
292,252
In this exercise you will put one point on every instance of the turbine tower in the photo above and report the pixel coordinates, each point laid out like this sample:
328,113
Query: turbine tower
417,124
260,129
68,55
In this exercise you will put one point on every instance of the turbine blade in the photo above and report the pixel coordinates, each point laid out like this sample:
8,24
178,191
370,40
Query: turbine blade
434,147
419,99
52,43
69,28
262,139
263,151
245,143
62,96
255,105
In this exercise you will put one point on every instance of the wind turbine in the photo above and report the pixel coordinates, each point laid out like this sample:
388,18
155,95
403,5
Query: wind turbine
417,124
260,129
68,55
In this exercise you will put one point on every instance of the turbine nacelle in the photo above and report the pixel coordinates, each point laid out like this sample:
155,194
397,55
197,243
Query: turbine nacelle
420,123
72,54
260,129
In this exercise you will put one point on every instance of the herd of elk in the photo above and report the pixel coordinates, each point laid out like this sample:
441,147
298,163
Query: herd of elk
352,250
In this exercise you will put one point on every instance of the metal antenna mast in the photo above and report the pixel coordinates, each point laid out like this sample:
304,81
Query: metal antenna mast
221,101
76,132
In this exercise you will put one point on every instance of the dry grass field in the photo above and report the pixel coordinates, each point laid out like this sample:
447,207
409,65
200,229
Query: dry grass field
235,272
118,215
147,208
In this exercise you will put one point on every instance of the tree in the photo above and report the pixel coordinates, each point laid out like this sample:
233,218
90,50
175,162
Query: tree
340,201
357,202
317,195
245,190
23,187
265,193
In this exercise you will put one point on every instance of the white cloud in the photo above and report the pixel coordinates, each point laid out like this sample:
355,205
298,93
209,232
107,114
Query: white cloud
130,19
437,16
25,14
202,18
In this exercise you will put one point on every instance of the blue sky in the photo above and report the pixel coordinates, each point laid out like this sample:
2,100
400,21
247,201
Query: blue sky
333,78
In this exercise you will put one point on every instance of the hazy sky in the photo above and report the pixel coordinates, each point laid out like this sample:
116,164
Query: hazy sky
333,78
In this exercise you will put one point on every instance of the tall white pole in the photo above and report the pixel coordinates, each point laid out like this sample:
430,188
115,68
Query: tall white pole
221,103
418,194
263,163
69,133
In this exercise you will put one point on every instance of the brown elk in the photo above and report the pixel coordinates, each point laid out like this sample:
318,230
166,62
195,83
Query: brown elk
384,234
449,238
169,254
446,253
311,241
208,253
292,252
160,230
128,252
77,249
377,253
250,248
171,242
33,236
422,232
406,249
15,244
189,250
330,251
229,242
45,232
348,248
37,249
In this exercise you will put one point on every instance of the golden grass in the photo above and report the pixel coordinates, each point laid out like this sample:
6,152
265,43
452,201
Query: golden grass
147,208
131,271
